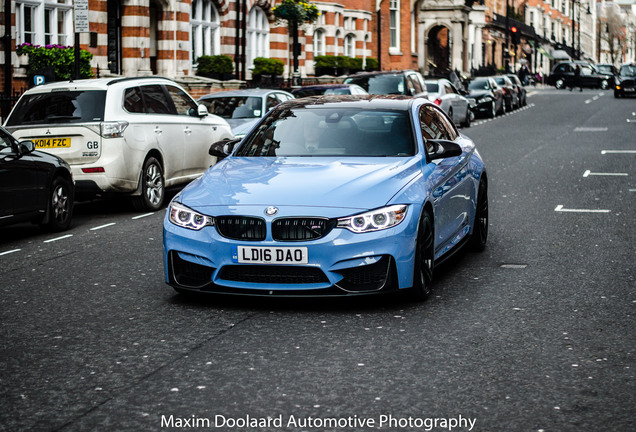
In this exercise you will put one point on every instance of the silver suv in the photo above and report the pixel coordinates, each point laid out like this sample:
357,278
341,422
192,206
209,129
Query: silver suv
126,135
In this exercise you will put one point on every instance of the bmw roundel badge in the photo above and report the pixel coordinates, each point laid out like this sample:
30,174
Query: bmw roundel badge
271,211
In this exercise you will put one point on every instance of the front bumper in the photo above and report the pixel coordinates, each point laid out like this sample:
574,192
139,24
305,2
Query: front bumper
340,264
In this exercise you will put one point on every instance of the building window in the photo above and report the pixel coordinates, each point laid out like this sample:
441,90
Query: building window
204,23
55,17
336,47
257,35
394,25
350,45
319,43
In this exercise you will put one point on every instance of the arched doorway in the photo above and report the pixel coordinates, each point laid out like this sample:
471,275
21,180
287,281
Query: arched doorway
113,31
438,51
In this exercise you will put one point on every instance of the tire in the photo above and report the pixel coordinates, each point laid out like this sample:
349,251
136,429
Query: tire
560,83
479,237
503,107
424,259
493,110
153,187
467,120
61,204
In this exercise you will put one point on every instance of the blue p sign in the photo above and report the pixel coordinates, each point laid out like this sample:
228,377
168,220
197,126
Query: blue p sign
38,79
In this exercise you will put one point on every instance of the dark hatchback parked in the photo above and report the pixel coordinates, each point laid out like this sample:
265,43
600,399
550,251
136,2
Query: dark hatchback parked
626,81
34,186
562,76
488,97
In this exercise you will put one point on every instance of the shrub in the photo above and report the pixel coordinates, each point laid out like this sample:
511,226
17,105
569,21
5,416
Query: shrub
336,65
216,66
268,66
372,64
57,57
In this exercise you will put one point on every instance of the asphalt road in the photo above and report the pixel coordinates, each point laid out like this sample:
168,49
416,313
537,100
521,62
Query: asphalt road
537,333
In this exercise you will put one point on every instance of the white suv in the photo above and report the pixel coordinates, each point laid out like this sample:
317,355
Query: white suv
124,135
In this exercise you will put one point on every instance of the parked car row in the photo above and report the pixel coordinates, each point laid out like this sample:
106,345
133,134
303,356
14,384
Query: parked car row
138,136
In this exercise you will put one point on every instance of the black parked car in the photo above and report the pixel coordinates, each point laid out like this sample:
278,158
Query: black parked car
511,94
521,90
487,95
562,76
626,81
408,82
34,186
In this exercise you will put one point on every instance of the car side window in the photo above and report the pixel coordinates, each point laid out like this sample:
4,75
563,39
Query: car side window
272,101
182,102
156,100
448,89
415,84
435,125
133,101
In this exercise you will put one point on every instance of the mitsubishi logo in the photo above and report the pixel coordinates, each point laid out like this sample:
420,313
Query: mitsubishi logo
48,131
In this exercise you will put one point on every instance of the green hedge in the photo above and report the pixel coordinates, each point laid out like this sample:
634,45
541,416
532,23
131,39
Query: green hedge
341,65
61,59
216,66
268,66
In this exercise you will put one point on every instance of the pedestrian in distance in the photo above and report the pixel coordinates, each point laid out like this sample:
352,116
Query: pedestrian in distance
576,80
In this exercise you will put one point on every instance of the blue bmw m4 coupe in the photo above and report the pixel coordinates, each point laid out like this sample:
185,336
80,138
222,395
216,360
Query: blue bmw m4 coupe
330,196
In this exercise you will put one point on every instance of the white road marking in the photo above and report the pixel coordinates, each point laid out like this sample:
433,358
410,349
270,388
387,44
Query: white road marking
102,226
142,216
590,129
589,173
58,238
10,252
618,152
560,208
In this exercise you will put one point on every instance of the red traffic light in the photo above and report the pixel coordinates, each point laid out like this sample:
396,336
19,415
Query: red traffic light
513,29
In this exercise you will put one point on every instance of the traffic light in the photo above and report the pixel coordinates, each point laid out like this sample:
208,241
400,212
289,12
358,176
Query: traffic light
514,35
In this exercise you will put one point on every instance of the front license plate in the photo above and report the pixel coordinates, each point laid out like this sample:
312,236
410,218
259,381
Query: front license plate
52,142
270,255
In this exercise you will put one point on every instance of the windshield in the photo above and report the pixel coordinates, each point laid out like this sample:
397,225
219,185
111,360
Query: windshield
380,84
233,107
59,107
331,132
478,85
628,70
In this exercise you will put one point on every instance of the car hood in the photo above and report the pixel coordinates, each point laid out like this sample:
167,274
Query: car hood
356,183
242,126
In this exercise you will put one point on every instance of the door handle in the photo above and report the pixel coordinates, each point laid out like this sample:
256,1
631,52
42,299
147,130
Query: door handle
187,130
157,130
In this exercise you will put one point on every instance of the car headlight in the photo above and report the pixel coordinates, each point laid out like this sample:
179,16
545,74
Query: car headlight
485,99
374,220
185,217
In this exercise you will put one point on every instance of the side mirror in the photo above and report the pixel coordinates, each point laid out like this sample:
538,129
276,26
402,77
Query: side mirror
202,111
225,147
443,149
26,147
